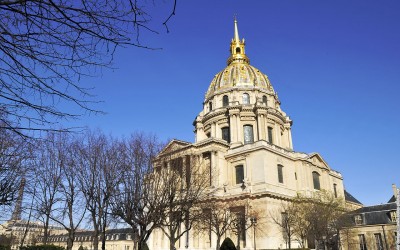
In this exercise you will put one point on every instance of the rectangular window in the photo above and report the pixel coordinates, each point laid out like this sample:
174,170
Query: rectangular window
280,173
335,190
226,134
270,135
362,242
316,182
239,174
378,241
248,134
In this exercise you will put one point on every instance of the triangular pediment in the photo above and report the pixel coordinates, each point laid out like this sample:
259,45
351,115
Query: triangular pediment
174,145
317,160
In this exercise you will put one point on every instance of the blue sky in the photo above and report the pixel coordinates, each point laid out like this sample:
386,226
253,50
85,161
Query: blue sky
334,64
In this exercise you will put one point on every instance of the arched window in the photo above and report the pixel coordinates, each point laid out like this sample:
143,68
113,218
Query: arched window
264,99
226,134
210,106
239,174
280,173
225,101
316,182
270,139
246,98
237,50
248,134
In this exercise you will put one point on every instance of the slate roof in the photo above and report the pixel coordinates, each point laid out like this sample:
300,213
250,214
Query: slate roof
393,199
378,214
350,198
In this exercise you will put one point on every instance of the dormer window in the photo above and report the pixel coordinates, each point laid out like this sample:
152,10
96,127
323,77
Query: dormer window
358,219
246,98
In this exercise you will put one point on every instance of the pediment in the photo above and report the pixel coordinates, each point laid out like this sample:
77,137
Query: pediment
174,145
317,160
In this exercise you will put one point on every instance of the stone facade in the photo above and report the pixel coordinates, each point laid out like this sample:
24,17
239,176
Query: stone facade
244,138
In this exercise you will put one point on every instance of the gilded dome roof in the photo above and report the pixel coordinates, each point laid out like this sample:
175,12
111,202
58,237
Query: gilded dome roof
239,73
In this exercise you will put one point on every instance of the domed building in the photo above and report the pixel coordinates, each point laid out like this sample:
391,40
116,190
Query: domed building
244,138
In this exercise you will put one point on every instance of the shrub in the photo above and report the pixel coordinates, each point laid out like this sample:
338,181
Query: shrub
227,244
3,247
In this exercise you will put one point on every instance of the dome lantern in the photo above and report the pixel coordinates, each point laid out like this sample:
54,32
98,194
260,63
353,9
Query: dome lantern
237,48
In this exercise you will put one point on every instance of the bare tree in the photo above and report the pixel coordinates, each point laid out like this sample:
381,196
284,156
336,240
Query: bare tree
99,162
216,218
139,198
285,218
49,160
47,46
313,220
185,183
14,156
70,209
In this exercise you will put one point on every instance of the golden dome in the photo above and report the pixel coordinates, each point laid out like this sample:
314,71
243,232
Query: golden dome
239,73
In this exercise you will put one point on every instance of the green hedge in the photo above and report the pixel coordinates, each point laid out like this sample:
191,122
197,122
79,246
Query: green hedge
42,247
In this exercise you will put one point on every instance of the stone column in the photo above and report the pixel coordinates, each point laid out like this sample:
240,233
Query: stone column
217,131
239,129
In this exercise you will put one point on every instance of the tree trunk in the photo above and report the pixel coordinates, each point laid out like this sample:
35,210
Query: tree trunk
218,242
46,230
95,240
171,245
70,240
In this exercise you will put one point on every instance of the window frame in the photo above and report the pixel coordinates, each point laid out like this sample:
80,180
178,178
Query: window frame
245,99
244,134
378,241
316,180
270,132
362,242
265,99
228,139
335,190
225,101
358,219
239,180
280,173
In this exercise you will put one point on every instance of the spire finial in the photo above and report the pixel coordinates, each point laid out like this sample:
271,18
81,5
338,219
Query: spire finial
237,48
236,34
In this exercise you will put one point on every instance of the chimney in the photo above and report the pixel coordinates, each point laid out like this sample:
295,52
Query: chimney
394,191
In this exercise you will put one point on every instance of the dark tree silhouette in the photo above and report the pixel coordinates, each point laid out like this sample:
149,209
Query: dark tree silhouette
47,46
